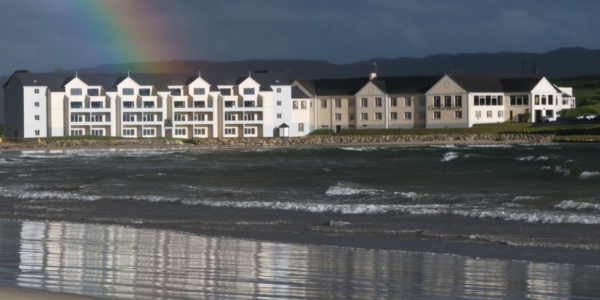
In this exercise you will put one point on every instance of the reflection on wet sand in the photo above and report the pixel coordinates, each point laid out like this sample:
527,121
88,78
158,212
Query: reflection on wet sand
127,263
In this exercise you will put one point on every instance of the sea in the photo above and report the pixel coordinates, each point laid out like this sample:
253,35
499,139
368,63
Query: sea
457,221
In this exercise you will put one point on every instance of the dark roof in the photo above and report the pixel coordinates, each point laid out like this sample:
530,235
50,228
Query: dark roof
496,83
160,81
284,126
265,88
351,86
297,93
54,82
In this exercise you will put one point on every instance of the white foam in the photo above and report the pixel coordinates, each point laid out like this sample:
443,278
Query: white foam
491,146
57,195
542,158
524,198
546,168
408,195
529,217
450,156
587,175
570,204
526,158
443,146
342,189
359,149
566,172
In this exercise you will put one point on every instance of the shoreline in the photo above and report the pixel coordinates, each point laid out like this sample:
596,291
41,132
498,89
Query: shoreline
21,293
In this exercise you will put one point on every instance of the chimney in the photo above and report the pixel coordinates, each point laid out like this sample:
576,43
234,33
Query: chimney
372,75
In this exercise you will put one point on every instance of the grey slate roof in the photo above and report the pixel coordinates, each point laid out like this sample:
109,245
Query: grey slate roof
350,86
297,93
496,83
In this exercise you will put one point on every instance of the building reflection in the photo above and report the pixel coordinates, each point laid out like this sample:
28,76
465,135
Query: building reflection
128,263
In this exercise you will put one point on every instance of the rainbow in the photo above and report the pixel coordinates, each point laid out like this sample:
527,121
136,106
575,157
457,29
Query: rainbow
129,32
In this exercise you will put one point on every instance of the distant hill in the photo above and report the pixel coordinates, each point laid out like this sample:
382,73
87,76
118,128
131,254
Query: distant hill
564,62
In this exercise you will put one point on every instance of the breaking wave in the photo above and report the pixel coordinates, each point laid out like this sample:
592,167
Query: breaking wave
408,195
524,198
341,189
360,149
570,204
587,175
450,156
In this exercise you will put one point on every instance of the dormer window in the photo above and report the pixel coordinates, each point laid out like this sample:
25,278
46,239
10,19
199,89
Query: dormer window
226,92
144,92
76,92
199,91
128,91
93,92
248,91
176,92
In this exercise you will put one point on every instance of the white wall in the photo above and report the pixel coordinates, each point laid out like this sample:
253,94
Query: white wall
31,111
484,119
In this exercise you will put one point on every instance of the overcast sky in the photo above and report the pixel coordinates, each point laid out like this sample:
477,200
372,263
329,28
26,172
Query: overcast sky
42,35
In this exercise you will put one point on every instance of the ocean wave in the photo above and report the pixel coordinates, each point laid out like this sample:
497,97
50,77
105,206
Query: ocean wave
408,195
524,198
341,189
526,158
43,195
587,175
443,146
450,156
570,204
566,172
490,146
360,149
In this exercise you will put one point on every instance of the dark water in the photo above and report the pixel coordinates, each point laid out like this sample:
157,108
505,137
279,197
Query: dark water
116,262
503,196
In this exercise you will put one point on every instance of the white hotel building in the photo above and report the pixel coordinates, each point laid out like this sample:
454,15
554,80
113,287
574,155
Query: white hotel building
265,104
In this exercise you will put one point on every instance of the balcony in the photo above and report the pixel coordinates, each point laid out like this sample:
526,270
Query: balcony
433,107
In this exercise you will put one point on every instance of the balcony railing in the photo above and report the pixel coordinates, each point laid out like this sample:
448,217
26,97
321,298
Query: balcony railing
433,107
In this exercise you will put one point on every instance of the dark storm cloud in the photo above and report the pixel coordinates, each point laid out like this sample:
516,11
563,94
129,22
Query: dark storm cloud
47,34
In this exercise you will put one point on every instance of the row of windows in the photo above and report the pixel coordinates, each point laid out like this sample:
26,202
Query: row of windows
438,115
295,104
489,114
488,100
79,92
379,116
437,101
378,102
545,99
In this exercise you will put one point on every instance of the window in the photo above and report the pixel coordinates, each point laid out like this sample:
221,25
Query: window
351,117
249,117
97,132
500,100
128,104
248,91
229,103
338,103
128,118
176,92
437,102
550,100
378,102
526,100
378,116
128,132
543,99
226,92
422,102
476,100
230,131
278,103
249,131
199,104
303,105
407,116
199,117
199,131
421,116
394,116
96,118
180,131
37,117
323,103
301,127
407,101
149,132
128,91
180,117
36,91
488,100
37,132
437,115
76,104
278,90
96,104
448,101
338,117
393,101
278,116
230,117
458,101
537,99
199,91
324,126
513,100
148,118
458,114
76,92
93,92
500,114
478,114
144,92
76,132
37,104
364,116
351,102
148,104
364,102
76,118
489,113
248,103
179,104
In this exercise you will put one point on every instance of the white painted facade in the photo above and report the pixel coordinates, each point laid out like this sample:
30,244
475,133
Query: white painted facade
35,117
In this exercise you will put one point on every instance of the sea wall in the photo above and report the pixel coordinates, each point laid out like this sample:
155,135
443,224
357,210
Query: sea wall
272,142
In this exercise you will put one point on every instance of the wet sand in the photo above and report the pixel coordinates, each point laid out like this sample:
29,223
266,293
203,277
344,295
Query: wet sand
14,293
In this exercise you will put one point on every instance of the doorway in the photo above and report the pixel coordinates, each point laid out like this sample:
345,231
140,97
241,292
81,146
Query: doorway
538,115
338,128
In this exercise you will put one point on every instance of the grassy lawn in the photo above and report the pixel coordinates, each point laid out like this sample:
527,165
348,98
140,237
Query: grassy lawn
321,132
